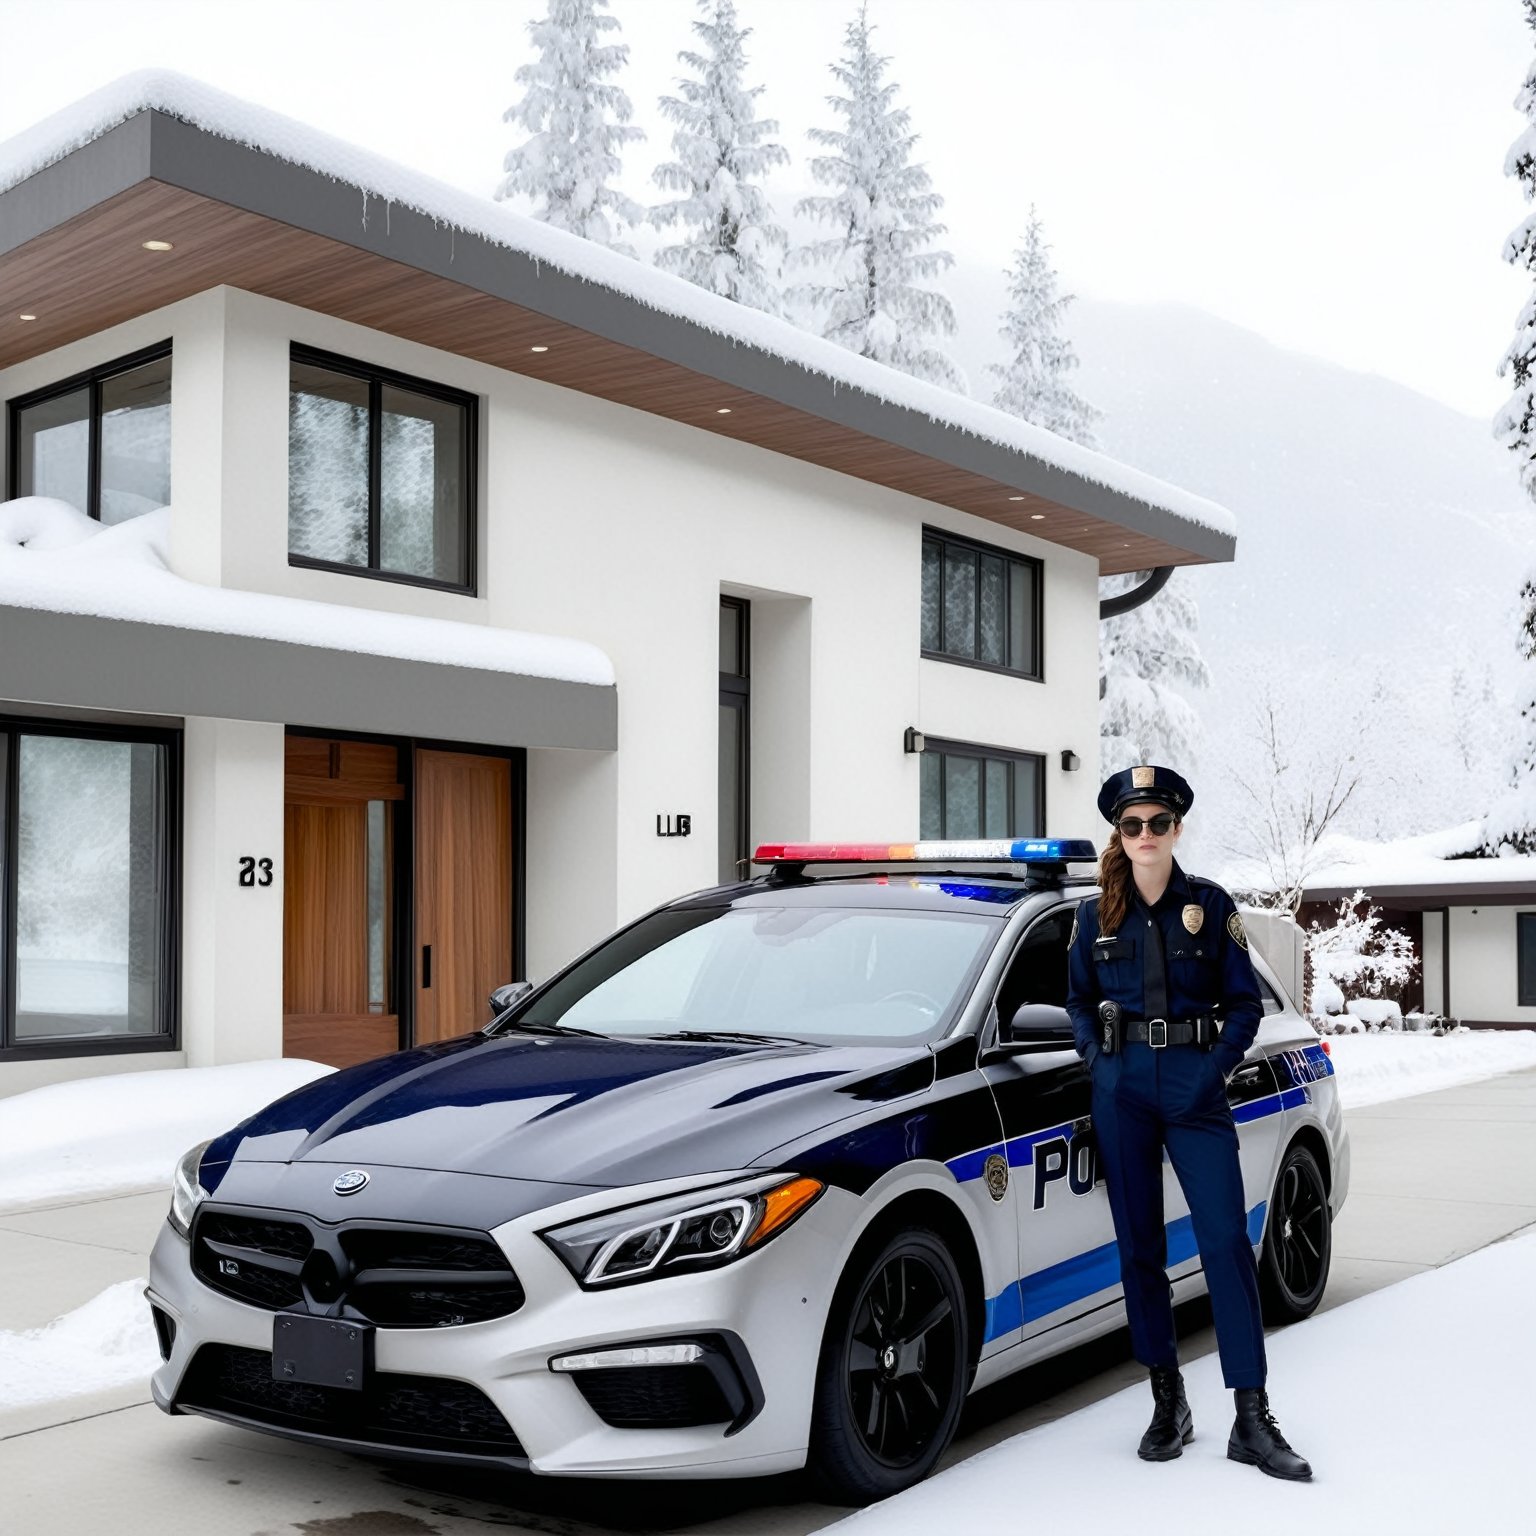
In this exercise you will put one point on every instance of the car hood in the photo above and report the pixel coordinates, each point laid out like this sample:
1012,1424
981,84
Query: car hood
571,1110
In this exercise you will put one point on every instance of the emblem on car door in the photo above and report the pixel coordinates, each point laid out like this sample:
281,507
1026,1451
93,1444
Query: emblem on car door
996,1175
350,1182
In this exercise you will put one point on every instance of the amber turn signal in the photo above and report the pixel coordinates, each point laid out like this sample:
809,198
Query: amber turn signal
783,1204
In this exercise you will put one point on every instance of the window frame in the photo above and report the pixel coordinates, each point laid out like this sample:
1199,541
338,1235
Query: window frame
168,1038
1033,563
377,379
942,745
90,379
1525,976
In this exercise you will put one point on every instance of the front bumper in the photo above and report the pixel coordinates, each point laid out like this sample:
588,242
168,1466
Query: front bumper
767,1311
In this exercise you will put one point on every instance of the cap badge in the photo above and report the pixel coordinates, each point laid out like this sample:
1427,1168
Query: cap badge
1194,916
1143,778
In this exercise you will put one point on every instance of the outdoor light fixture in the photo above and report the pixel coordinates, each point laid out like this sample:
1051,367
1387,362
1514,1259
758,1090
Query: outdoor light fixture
538,349
723,410
26,317
158,245
1070,761
1037,517
1015,498
913,740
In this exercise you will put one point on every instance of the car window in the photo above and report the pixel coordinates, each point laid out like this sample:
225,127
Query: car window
810,972
1038,971
1272,1004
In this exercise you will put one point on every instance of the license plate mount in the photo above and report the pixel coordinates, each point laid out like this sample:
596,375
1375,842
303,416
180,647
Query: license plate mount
321,1351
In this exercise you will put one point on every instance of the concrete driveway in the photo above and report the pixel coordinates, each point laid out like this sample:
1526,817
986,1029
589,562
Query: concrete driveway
1435,1177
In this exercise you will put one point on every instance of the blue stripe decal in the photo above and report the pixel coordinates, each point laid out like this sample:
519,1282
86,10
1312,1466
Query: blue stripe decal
1086,1274
971,1164
1290,1098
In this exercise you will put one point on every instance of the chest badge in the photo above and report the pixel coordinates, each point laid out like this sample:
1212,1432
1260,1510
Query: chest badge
996,1175
1194,916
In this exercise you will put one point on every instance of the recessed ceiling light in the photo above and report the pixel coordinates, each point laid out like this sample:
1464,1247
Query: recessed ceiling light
1037,517
538,349
158,245
723,410
26,317
1015,498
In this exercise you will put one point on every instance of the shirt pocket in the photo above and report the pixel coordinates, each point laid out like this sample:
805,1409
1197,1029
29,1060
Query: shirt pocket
1117,965
1194,974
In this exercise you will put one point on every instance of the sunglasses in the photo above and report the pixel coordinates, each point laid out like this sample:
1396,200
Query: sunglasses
1158,826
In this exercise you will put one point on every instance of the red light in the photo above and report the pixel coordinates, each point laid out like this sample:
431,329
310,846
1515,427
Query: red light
1327,1049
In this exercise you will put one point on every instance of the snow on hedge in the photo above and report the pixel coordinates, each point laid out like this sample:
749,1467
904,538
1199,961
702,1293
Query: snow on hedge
1412,1404
1373,1068
383,183
55,558
109,1342
127,1130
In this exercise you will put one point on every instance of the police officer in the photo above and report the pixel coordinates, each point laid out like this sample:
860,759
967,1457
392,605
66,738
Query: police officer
1164,1003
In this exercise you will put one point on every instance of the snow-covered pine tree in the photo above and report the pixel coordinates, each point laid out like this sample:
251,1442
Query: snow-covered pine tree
578,124
733,245
1515,425
1033,383
1511,825
885,214
1142,655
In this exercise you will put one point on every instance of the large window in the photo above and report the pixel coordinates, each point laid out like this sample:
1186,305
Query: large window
380,473
735,739
88,848
980,605
100,441
971,791
1525,930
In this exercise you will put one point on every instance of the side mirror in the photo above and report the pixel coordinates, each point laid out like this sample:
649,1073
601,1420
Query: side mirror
1035,1027
508,993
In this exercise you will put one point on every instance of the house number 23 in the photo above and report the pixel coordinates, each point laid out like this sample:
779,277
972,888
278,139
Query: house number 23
255,871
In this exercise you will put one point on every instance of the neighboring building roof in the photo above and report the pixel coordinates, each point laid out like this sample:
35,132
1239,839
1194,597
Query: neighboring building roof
257,200
92,617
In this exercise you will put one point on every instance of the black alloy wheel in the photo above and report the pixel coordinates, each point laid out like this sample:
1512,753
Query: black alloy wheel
895,1364
1298,1241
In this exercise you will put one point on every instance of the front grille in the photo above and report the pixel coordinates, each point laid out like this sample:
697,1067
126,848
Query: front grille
408,1412
394,1277
655,1396
253,1259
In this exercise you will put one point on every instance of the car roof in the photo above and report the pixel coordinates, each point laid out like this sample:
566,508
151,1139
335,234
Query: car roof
910,888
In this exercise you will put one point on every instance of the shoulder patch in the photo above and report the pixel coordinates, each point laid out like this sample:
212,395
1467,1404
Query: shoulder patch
1236,929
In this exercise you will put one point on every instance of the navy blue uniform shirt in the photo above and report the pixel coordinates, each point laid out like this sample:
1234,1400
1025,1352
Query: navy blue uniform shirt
1208,969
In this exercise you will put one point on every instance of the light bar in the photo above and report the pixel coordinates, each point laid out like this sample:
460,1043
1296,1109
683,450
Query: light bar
1047,850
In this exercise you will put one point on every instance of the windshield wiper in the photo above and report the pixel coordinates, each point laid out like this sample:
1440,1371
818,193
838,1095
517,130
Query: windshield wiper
534,1028
729,1035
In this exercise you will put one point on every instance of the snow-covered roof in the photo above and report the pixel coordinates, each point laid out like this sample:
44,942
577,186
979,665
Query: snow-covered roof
376,177
55,558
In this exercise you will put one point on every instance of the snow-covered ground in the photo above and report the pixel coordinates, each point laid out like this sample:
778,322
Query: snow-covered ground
126,1131
109,1342
1374,1068
1412,1404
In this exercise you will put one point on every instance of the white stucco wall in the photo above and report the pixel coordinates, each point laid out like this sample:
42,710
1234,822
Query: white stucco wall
1483,966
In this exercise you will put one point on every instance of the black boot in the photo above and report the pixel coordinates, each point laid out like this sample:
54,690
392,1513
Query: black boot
1172,1427
1256,1439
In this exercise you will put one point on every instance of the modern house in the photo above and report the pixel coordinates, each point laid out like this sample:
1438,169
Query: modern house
1472,918
396,594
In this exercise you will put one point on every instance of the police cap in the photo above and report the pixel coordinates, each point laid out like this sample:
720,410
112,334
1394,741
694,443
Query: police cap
1145,785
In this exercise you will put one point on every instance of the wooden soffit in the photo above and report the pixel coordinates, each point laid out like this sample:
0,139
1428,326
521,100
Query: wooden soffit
71,253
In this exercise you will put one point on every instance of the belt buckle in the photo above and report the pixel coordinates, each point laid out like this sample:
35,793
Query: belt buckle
1157,1034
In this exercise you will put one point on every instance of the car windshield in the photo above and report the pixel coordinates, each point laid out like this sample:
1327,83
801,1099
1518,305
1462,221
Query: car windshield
807,973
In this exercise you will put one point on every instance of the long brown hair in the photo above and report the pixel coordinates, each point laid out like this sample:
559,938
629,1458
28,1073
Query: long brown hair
1115,879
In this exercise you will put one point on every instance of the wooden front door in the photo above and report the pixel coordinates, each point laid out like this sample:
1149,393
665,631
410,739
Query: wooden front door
340,800
462,807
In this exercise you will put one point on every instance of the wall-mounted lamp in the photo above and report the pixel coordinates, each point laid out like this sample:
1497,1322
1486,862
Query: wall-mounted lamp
913,740
1070,761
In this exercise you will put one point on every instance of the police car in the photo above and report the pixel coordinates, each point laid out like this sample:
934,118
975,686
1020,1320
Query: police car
772,1177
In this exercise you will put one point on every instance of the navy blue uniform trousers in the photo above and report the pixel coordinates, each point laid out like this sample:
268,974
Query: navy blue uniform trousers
1143,1101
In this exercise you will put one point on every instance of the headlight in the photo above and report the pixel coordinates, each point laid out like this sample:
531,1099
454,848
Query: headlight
186,1193
693,1231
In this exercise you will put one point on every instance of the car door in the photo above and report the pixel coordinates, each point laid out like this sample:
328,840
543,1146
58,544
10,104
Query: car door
1068,1263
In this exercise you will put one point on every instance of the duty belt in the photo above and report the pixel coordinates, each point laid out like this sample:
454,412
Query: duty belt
1203,1031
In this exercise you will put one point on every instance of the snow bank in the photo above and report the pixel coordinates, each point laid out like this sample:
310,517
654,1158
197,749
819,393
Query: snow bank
55,558
1374,1068
1429,1438
109,1342
1376,1010
382,181
126,1130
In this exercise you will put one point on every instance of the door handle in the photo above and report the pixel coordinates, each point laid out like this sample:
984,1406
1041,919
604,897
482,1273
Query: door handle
426,965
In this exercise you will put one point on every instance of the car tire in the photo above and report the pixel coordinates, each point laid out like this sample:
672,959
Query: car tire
894,1369
1298,1241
